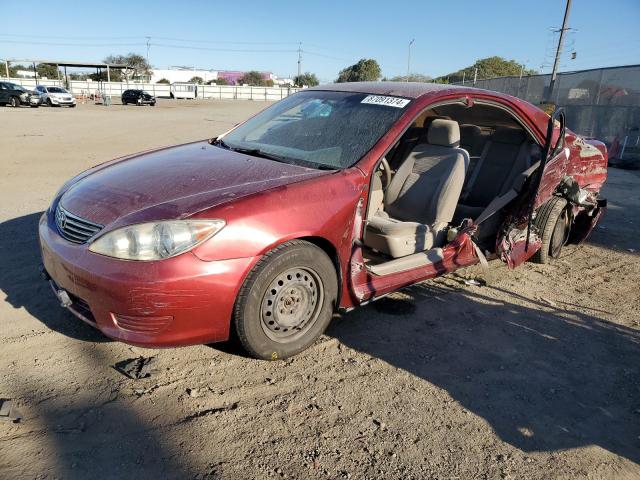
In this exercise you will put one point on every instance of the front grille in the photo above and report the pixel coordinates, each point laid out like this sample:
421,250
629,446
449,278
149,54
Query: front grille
73,228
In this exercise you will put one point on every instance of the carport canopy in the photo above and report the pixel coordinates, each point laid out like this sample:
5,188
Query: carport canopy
65,64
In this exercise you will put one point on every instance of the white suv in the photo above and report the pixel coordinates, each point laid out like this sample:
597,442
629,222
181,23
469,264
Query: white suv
55,96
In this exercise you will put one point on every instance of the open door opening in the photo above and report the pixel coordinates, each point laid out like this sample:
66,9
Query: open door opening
450,165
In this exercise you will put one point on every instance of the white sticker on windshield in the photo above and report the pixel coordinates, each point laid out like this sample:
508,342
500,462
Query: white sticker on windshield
388,101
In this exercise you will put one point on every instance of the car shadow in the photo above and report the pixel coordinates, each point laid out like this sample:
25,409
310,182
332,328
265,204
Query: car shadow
96,431
24,288
545,378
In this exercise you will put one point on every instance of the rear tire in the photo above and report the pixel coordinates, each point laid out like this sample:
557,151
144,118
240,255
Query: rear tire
553,224
286,301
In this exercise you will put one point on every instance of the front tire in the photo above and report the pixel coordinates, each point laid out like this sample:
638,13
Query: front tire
286,301
49,102
14,102
554,224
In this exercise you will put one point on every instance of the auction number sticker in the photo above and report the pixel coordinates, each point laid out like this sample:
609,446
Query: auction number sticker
384,100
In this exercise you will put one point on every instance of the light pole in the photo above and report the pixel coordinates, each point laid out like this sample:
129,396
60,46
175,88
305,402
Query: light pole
409,58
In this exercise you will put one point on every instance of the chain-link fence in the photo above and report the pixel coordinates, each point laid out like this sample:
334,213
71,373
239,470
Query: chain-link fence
603,103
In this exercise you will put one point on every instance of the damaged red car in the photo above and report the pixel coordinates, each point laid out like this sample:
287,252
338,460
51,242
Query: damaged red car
324,201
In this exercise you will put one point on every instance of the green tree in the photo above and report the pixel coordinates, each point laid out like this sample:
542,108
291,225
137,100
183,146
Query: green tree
488,68
138,66
164,81
413,77
254,78
49,71
218,81
196,79
366,70
307,79
13,69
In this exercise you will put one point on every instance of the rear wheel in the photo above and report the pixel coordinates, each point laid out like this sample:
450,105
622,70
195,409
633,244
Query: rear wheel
287,301
554,224
14,102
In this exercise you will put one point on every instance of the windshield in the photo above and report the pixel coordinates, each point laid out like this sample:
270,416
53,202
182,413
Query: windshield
56,90
14,86
318,128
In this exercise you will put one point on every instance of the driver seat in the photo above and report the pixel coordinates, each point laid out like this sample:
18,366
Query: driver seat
422,196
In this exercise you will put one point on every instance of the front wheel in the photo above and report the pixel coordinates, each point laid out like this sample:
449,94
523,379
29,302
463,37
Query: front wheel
49,102
14,102
286,301
554,225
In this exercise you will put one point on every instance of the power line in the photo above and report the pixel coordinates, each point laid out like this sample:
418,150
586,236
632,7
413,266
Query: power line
75,44
228,42
67,37
188,47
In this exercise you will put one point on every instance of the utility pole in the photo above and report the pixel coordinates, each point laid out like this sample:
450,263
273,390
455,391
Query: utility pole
409,58
475,77
299,60
554,72
148,45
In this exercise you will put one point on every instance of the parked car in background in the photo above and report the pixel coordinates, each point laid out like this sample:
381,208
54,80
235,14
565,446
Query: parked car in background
55,96
16,95
138,97
329,199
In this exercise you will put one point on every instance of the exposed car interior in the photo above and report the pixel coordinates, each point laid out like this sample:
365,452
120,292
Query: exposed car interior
448,166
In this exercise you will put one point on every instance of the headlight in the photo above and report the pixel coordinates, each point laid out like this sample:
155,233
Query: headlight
156,240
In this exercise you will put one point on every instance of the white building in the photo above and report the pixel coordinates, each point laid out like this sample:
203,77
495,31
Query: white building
182,74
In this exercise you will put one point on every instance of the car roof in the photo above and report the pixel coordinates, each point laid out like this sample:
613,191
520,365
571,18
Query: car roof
397,89
415,90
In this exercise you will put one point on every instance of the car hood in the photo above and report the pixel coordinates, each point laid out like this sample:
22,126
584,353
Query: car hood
173,183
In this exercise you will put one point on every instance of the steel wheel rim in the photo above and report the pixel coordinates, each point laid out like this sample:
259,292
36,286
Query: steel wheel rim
291,304
559,236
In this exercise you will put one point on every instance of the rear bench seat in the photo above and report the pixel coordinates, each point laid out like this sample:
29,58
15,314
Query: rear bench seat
505,155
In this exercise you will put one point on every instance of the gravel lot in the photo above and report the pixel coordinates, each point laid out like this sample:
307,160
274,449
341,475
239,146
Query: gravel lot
535,376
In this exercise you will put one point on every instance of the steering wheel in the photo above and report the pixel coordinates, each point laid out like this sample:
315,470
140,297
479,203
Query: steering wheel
387,173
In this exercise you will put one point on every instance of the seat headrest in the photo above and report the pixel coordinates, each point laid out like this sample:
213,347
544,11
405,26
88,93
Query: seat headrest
470,131
444,132
508,135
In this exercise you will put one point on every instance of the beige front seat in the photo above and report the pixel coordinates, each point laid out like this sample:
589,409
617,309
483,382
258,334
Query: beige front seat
422,196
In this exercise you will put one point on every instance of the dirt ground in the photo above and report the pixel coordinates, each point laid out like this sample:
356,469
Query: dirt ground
535,376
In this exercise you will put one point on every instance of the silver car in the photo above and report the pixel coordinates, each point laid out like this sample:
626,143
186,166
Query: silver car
55,96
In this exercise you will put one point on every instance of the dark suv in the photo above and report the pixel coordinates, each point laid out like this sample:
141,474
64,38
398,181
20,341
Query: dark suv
16,95
139,97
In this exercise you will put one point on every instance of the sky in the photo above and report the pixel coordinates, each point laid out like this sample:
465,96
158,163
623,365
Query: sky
265,36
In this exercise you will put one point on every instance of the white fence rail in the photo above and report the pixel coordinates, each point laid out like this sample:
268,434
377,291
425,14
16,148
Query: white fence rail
214,92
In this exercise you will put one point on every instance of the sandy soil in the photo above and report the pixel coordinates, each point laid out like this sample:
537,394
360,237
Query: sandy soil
535,376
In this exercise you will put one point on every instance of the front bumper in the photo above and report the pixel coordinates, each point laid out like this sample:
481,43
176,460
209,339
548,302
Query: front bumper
178,301
59,101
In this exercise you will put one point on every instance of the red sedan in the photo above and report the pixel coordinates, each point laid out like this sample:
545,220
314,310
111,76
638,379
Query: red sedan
326,200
